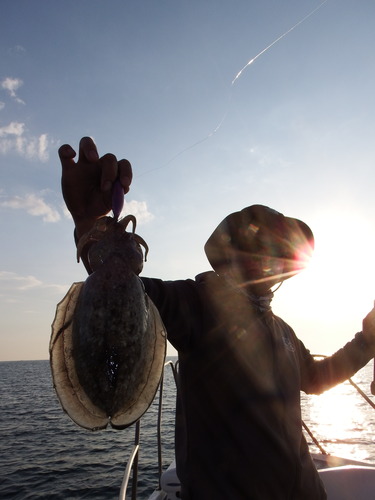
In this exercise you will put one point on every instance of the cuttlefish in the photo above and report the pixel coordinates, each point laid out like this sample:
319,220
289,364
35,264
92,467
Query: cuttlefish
108,342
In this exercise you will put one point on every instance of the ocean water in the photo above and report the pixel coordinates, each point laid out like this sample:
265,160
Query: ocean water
43,454
341,420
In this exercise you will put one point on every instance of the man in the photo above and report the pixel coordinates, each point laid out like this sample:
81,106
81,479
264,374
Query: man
238,422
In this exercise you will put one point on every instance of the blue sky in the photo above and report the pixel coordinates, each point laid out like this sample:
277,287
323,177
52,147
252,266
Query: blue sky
152,81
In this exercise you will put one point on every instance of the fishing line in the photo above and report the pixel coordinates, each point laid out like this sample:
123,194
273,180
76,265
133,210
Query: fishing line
233,82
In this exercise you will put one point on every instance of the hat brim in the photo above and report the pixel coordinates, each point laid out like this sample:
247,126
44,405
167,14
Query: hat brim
260,230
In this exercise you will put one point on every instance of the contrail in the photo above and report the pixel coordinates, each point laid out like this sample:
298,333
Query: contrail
239,74
277,40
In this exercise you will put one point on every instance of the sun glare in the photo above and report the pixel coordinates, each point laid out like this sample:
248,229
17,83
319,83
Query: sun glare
334,417
342,269
337,289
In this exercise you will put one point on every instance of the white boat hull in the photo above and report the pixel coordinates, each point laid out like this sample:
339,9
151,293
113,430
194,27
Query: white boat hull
346,482
349,482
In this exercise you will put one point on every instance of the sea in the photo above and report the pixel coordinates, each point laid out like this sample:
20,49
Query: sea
44,455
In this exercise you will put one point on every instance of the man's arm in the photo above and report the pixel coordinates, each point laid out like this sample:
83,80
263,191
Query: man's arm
319,375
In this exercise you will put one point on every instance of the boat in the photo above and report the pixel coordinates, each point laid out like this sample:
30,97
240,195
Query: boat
344,479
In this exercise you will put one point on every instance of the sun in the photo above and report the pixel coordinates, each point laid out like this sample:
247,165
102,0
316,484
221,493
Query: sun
342,269
337,289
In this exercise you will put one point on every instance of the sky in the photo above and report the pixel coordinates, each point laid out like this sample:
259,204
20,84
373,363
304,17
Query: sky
160,83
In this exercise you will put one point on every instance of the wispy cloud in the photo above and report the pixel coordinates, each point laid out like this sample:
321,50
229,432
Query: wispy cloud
33,147
14,128
33,205
17,49
18,282
66,212
11,281
139,210
13,137
11,85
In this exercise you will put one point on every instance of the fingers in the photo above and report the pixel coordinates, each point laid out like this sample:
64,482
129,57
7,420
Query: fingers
112,169
66,155
87,150
109,167
125,174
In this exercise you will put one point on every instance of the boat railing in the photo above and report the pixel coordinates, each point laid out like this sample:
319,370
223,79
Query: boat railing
132,465
129,466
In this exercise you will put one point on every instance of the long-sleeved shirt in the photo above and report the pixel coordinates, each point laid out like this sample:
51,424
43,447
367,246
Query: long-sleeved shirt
238,420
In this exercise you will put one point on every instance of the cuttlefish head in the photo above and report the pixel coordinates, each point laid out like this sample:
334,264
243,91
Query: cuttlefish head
109,237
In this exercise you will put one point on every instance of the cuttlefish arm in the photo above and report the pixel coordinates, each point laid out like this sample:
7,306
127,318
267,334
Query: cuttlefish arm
107,224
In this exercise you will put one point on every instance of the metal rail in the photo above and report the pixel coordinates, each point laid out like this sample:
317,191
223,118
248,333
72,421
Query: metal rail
126,477
132,464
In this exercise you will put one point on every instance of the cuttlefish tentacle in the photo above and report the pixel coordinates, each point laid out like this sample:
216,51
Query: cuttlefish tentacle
124,222
95,234
104,224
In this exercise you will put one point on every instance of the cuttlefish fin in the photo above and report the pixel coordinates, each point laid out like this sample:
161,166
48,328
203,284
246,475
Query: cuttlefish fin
72,397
